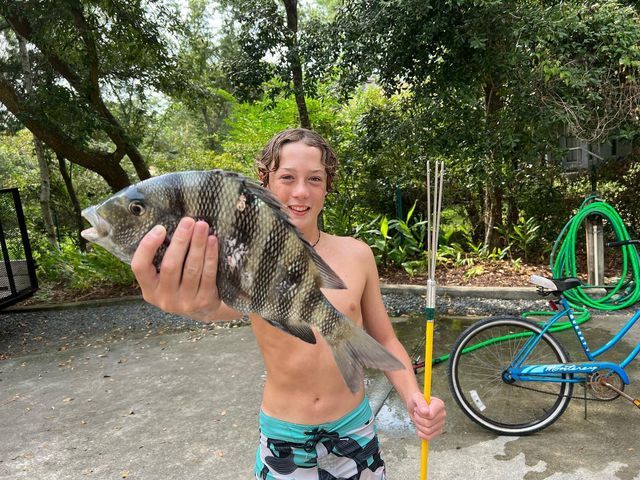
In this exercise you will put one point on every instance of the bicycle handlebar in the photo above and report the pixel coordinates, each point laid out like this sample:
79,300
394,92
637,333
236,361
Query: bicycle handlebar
621,243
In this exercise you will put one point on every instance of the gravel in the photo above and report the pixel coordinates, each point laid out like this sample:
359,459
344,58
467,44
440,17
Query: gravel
407,303
92,324
98,323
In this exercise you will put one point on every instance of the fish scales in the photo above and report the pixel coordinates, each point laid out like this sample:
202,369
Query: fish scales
202,193
264,264
240,245
301,275
291,280
272,248
248,243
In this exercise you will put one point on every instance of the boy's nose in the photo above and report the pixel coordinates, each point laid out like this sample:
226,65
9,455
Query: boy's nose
300,189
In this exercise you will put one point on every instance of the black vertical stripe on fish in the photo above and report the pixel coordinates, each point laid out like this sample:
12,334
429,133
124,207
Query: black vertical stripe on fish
201,197
246,217
210,203
223,193
314,303
282,301
289,285
273,248
238,245
198,196
179,191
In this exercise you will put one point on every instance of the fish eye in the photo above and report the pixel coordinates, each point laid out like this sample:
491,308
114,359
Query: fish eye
136,207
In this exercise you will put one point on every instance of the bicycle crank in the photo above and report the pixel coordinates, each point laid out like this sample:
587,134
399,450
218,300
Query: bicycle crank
605,384
635,401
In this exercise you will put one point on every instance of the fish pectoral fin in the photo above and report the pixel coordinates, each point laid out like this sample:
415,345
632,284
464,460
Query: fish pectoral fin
323,275
302,331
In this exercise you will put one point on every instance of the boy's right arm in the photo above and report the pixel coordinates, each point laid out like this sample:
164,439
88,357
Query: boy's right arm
186,283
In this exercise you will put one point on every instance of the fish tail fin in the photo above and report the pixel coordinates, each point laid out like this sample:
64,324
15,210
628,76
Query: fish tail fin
357,350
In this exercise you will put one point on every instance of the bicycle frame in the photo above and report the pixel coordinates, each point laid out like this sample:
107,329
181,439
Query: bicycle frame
570,372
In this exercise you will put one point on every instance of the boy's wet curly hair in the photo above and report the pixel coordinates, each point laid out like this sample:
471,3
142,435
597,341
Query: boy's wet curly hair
269,160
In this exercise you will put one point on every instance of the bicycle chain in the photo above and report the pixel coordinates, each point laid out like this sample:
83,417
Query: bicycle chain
563,396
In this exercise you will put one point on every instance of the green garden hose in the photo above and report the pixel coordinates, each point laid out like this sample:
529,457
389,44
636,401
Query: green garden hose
626,291
623,294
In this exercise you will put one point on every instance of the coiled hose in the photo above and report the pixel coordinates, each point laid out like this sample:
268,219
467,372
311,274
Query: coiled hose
623,294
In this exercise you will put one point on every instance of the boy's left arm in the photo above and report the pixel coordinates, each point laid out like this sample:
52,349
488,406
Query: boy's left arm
428,419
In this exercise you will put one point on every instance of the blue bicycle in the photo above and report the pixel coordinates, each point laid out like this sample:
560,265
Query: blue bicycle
511,376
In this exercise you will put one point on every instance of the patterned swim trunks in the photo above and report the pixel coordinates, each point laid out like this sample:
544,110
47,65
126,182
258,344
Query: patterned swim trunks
345,449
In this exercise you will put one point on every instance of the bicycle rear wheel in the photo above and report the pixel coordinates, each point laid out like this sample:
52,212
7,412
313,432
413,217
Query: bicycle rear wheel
477,383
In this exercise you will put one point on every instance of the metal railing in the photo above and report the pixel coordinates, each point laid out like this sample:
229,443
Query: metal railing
17,269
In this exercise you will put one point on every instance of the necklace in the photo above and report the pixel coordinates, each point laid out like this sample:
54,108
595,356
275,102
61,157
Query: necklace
313,246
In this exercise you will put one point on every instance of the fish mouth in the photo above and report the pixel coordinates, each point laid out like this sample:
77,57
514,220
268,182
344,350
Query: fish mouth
100,228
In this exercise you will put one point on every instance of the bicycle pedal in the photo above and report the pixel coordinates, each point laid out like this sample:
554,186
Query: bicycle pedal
635,401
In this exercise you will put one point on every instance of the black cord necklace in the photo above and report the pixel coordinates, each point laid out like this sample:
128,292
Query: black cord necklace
313,246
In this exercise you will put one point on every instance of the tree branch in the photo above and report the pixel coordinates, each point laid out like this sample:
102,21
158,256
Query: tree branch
89,89
105,164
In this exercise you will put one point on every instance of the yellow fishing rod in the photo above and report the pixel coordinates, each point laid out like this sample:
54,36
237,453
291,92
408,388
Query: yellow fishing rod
433,227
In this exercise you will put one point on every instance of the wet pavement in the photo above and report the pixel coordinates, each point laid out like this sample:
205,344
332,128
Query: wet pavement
170,404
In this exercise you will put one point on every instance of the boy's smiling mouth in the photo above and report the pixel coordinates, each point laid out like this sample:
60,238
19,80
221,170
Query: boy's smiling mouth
299,209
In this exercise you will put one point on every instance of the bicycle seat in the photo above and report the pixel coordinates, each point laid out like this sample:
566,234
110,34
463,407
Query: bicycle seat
555,285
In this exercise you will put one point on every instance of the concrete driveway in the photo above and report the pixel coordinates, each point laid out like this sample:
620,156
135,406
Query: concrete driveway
184,405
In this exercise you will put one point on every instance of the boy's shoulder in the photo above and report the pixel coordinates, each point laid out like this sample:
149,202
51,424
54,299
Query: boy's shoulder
350,245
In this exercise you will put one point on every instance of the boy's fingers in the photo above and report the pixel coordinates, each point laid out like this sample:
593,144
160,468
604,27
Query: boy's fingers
174,257
142,260
194,262
208,281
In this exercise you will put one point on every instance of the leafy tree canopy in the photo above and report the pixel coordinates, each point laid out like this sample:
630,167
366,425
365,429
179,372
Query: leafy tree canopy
83,57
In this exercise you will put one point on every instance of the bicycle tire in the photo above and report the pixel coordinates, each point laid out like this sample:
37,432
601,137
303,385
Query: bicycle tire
478,387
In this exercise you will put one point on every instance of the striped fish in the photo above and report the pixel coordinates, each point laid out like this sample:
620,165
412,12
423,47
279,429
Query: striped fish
264,266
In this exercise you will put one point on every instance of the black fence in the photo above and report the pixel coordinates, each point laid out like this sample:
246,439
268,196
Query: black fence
17,270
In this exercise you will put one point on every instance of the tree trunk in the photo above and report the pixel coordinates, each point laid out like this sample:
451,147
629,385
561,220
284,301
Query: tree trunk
513,213
77,210
475,216
211,144
45,194
291,7
493,194
492,216
45,177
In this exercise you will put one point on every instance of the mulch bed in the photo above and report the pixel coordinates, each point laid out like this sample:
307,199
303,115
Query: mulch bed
501,273
496,273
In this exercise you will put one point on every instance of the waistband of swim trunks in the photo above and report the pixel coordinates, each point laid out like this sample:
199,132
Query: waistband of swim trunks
272,427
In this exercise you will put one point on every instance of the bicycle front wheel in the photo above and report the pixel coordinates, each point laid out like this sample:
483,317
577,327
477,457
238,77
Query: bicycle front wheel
478,360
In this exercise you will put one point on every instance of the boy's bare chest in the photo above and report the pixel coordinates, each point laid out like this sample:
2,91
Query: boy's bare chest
347,301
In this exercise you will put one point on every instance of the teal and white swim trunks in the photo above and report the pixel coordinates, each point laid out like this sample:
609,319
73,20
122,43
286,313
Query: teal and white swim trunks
346,449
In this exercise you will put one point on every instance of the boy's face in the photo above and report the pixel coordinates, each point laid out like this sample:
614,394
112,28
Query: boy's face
300,183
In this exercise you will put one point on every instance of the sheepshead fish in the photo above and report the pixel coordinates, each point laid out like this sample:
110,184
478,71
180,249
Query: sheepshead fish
264,266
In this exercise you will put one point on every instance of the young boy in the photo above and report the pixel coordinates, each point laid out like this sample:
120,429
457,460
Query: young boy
308,429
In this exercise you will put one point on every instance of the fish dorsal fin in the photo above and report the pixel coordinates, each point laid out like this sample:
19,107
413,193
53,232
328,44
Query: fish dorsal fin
263,194
324,276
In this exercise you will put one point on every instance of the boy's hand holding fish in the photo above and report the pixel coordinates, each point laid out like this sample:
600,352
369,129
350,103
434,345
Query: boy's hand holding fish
186,282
